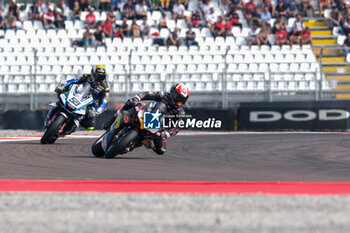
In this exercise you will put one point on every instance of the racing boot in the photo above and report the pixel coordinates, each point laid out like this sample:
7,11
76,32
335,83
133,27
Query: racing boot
88,122
159,145
109,122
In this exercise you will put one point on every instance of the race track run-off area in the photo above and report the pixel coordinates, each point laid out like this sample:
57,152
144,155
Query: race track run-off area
206,182
276,163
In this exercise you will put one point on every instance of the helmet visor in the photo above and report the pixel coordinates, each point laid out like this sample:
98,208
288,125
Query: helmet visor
179,99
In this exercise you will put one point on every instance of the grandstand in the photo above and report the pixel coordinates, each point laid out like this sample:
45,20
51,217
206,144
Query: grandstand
225,71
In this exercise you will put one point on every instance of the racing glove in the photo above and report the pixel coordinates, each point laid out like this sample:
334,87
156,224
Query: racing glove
92,113
129,104
163,135
59,89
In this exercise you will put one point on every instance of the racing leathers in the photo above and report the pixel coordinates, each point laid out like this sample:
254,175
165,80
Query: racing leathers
100,94
158,145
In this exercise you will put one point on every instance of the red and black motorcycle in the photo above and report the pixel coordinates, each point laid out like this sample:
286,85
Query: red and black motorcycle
129,130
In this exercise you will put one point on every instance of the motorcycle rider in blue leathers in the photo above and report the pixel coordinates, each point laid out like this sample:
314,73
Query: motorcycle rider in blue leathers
100,93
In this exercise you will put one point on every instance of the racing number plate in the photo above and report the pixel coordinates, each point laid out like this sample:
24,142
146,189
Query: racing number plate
74,101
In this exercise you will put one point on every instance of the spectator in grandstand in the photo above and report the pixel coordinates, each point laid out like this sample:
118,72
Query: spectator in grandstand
174,39
335,17
263,37
207,7
10,21
59,18
292,9
305,36
211,18
155,5
265,16
233,17
90,19
185,3
135,29
15,9
104,4
282,20
162,23
124,28
144,28
178,10
46,7
100,37
347,14
220,28
49,20
322,5
141,10
347,41
275,27
342,6
111,15
270,6
195,20
165,4
248,10
281,36
346,26
128,10
224,7
76,12
253,36
200,6
298,24
281,9
84,5
34,12
107,28
115,5
88,38
308,9
256,20
294,37
61,5
1,19
190,37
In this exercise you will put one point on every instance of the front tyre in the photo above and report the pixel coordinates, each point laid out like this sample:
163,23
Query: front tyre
97,149
119,146
50,134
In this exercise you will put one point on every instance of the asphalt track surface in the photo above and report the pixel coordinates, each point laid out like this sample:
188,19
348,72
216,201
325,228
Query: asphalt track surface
233,157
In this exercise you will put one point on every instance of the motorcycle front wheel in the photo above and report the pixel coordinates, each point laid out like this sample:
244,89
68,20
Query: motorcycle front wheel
97,149
50,134
118,146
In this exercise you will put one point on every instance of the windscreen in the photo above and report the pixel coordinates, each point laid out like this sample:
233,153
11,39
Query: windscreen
153,106
82,91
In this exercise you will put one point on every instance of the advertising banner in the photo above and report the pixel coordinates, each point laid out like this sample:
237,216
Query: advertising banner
321,115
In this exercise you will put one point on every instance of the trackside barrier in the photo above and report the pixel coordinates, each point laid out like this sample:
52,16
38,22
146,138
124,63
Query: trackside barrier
305,116
34,120
260,116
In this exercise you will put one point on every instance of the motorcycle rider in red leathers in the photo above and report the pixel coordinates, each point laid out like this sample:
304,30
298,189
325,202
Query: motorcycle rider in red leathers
174,100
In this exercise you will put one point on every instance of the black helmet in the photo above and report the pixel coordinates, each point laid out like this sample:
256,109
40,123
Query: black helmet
99,73
179,94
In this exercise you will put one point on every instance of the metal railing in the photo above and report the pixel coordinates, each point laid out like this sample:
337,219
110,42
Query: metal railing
216,88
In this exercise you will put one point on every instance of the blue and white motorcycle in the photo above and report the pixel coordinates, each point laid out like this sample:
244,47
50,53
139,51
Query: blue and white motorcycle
68,112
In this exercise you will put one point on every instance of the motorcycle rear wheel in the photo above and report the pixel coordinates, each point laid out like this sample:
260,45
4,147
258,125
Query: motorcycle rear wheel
50,134
118,146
